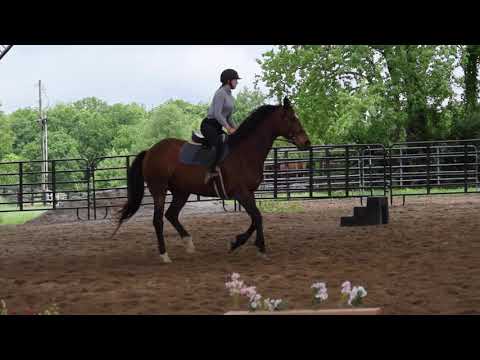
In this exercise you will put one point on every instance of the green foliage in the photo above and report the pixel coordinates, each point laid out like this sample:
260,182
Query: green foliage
469,125
245,102
106,172
272,206
25,128
173,119
341,93
6,136
357,93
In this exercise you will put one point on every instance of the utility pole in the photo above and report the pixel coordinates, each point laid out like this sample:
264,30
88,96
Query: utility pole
44,144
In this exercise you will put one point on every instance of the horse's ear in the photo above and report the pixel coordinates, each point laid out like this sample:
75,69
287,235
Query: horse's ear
286,103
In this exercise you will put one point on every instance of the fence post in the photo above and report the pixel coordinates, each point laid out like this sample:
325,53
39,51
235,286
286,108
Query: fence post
88,190
20,183
384,171
438,165
347,173
275,173
287,175
310,173
327,165
391,175
54,195
428,169
92,169
127,163
465,173
361,171
401,168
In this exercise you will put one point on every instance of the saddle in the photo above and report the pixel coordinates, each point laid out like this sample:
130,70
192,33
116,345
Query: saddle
198,152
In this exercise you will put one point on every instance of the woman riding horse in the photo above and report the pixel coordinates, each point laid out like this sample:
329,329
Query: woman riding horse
220,115
160,167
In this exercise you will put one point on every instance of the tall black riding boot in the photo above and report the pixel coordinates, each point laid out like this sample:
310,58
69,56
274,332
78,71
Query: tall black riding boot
213,166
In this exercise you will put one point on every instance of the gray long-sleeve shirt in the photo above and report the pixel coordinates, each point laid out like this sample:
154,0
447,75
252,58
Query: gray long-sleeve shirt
221,107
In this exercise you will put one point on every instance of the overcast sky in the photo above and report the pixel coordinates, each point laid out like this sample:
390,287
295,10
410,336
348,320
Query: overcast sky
116,73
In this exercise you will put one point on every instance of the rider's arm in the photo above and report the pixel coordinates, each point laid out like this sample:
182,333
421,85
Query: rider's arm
230,121
218,101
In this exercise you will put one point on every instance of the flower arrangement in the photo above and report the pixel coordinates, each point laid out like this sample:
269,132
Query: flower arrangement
353,296
238,288
51,310
320,293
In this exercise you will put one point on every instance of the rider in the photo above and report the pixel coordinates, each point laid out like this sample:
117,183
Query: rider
220,115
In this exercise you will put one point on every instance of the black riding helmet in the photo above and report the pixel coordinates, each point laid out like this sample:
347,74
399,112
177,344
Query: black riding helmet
228,75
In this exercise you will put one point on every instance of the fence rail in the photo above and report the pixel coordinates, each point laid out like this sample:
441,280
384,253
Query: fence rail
321,172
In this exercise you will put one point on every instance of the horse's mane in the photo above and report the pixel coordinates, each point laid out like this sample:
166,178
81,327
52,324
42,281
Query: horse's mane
249,125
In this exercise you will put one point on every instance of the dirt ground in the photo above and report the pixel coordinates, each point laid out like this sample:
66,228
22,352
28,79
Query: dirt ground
426,261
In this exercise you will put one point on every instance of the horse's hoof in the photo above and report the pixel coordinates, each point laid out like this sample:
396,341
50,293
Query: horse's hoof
165,258
189,246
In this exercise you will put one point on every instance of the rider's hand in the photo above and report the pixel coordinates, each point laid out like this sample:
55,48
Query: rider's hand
231,130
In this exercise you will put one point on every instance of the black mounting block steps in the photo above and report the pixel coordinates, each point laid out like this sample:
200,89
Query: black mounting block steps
375,213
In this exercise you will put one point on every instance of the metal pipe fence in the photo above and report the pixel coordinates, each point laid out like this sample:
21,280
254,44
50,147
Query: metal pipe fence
321,172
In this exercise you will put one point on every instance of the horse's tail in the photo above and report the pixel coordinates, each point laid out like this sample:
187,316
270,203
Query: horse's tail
135,191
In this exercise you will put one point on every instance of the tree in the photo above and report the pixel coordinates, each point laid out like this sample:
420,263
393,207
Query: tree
246,101
25,128
470,62
6,168
6,136
413,82
195,113
129,138
167,121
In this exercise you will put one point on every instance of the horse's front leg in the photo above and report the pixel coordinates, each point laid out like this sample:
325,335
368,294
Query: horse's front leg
243,238
247,200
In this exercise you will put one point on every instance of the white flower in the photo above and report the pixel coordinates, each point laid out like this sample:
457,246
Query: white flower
357,292
319,285
235,276
321,295
346,287
361,291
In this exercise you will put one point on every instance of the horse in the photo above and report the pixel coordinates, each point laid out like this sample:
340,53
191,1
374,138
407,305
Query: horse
241,169
293,166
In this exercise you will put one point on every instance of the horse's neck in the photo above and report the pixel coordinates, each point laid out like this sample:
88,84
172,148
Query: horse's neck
256,147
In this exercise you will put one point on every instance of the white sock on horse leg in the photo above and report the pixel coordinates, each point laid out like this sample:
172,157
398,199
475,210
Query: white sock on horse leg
189,246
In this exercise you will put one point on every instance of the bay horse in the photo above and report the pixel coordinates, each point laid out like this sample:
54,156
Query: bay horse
242,170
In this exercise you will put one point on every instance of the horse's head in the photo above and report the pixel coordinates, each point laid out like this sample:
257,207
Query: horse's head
289,126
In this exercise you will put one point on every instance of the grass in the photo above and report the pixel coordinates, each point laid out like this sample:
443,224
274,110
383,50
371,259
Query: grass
273,206
18,217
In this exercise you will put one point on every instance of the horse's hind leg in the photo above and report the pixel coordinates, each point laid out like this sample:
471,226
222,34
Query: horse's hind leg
159,204
178,202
